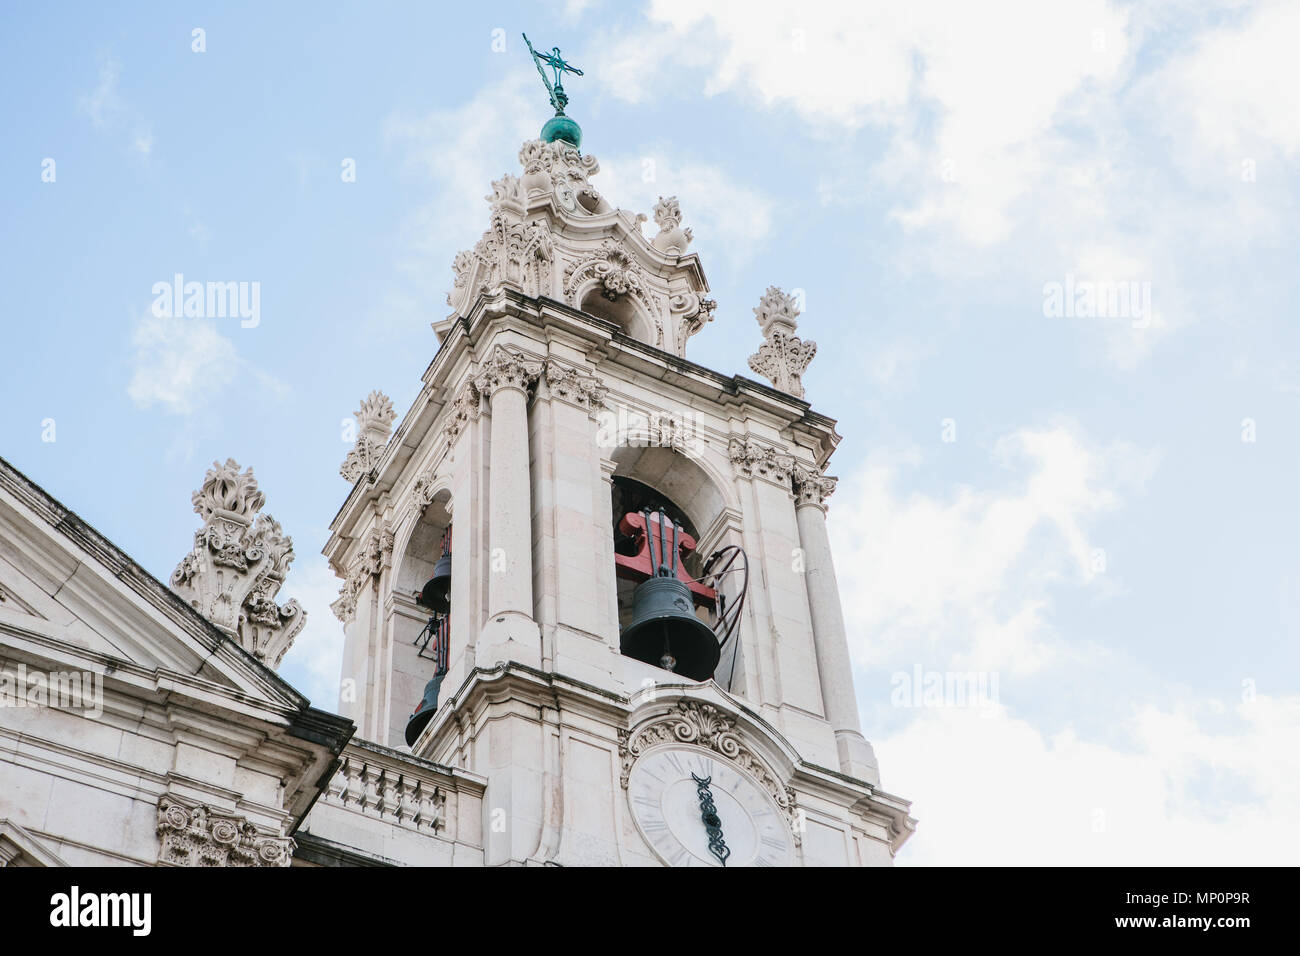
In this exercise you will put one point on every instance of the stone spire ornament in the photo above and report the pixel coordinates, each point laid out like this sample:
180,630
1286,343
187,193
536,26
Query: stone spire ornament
672,239
238,565
783,357
375,420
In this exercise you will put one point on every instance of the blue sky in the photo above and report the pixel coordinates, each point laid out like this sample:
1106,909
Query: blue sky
1098,534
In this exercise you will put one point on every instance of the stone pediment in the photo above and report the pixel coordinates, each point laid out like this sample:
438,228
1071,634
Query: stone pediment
71,595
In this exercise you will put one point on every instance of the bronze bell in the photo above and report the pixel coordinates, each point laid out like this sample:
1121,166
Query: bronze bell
665,632
436,593
424,710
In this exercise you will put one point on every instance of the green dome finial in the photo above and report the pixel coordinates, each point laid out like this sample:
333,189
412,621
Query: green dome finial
562,128
558,126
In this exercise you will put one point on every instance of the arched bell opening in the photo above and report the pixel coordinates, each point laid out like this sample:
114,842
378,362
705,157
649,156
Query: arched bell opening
421,631
675,610
423,547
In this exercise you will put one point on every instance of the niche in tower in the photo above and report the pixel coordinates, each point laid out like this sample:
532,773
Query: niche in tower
622,310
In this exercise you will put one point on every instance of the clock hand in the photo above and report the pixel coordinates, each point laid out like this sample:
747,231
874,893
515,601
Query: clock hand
712,822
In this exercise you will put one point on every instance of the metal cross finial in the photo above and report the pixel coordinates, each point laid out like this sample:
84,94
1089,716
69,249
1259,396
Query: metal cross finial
559,99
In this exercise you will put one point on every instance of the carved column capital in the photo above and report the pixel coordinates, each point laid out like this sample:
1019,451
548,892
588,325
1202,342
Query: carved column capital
752,460
574,387
507,367
373,556
464,408
811,487
193,834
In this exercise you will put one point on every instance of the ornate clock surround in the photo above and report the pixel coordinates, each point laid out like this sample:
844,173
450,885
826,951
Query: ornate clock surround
703,725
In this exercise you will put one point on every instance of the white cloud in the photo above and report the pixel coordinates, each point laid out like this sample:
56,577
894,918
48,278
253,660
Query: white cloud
968,578
1237,92
460,152
1203,784
184,364
967,581
103,104
315,661
893,363
109,112
463,150
967,95
1024,140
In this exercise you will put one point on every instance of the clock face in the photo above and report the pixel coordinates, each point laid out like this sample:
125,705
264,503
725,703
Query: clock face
695,810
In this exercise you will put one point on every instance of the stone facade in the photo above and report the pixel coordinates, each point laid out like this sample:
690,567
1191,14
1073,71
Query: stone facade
560,385
159,714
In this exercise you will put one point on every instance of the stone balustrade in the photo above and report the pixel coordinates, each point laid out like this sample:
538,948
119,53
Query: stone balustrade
377,792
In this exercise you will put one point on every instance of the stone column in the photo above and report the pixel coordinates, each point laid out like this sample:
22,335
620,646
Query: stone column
834,667
572,525
504,379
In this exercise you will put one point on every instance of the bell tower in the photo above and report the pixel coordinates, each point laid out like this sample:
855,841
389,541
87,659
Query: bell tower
598,574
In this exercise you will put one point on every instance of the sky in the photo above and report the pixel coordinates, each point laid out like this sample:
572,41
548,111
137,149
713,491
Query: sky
1085,504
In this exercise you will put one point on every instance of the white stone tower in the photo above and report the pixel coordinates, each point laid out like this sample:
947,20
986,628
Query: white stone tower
560,400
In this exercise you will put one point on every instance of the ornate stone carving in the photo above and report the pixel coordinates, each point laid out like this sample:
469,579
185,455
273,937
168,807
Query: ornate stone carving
558,168
512,252
376,415
507,367
505,189
198,835
693,311
238,564
373,555
617,274
423,490
585,391
552,234
811,487
783,357
228,491
374,424
672,239
782,360
776,310
365,454
754,460
611,265
702,725
345,606
464,408
517,251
